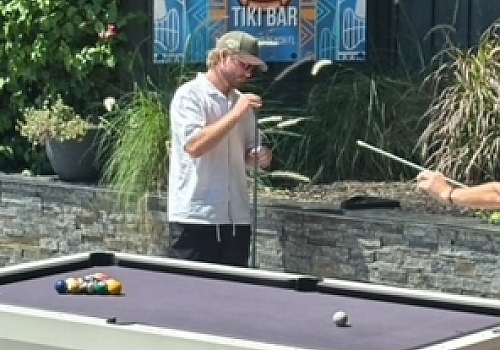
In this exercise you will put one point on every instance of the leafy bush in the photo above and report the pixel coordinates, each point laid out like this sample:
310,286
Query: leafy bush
53,48
58,47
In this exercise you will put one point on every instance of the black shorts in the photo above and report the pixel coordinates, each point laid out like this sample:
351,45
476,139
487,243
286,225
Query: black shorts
227,245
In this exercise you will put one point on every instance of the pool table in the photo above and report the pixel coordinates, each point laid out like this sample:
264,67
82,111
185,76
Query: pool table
181,305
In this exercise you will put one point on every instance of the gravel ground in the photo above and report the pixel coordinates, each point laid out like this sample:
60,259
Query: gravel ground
404,192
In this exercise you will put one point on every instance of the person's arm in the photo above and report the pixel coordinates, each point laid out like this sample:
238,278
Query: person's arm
485,196
210,135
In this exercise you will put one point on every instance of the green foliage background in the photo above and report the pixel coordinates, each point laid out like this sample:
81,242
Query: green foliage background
346,103
462,135
52,48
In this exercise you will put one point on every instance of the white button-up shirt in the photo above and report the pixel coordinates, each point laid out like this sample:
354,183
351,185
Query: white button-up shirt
211,189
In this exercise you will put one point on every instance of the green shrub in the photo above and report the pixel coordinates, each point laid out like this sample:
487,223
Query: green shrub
69,48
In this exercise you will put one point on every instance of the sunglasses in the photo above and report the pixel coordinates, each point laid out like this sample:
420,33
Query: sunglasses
245,66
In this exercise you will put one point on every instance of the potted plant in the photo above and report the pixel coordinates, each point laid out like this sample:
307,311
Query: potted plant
69,139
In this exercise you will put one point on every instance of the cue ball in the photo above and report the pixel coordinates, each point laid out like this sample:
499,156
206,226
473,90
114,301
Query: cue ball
340,318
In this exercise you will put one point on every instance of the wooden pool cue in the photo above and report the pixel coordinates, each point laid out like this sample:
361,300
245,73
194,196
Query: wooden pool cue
403,161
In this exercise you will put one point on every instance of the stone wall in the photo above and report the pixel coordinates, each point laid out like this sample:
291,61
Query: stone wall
44,218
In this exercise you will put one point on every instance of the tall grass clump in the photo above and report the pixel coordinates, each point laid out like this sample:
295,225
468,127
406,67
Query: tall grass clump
462,138
136,145
277,129
353,105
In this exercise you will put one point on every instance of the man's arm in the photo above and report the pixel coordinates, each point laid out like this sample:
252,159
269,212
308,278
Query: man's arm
485,196
210,135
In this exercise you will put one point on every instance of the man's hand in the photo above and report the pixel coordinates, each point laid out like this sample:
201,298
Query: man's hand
263,154
245,103
434,184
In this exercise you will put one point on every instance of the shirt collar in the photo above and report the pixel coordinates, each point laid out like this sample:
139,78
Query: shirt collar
210,88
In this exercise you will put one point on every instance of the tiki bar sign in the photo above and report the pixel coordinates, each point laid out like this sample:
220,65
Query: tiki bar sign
264,13
288,30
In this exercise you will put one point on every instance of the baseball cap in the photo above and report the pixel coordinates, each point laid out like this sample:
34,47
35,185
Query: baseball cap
244,45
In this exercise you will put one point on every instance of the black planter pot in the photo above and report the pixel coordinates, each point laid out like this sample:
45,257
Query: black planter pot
73,160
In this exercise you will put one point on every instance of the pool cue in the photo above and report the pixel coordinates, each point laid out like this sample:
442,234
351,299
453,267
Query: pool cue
403,161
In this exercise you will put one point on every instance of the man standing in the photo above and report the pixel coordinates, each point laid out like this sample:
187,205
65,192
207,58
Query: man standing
213,143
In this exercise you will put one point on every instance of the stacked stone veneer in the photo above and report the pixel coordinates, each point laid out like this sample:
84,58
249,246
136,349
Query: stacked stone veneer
44,218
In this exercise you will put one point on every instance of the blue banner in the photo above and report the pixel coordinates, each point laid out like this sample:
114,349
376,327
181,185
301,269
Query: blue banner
288,30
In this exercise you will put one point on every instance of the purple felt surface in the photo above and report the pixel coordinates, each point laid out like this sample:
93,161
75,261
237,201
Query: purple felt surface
253,312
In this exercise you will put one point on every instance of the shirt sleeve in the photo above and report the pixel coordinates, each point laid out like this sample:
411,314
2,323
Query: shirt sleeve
187,117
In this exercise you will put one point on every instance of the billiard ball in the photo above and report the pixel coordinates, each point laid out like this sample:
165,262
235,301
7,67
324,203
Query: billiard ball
86,288
100,288
100,276
114,286
72,285
60,286
82,287
340,318
88,278
104,278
